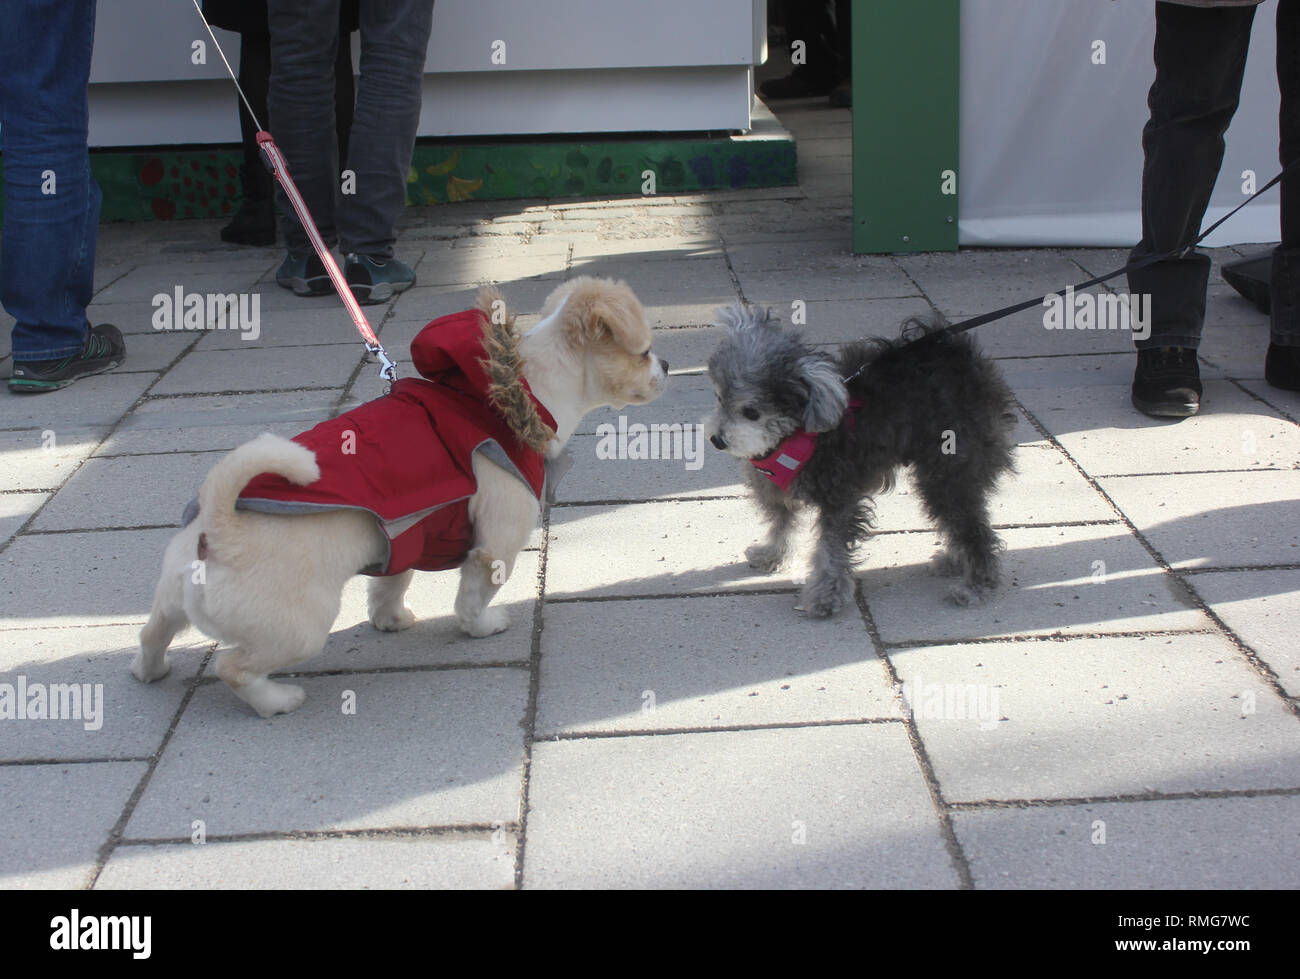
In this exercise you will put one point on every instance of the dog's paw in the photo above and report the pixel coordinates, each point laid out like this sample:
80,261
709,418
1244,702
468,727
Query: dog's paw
822,599
269,697
763,558
148,670
967,595
944,564
489,622
392,620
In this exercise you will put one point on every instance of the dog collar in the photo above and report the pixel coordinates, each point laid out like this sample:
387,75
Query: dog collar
787,460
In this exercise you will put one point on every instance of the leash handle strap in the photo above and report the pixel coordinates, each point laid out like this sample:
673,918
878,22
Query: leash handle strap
1141,263
388,368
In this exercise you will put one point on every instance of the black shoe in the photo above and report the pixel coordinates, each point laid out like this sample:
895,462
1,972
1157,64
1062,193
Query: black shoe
103,350
1167,383
253,224
1282,367
1250,277
794,86
842,95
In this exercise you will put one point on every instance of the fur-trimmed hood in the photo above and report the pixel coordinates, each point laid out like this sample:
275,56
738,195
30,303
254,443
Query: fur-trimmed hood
495,368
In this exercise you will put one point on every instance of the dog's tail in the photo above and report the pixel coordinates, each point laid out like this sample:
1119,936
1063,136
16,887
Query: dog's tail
265,454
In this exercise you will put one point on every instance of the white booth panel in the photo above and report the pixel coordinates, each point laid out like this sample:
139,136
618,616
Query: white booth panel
1051,150
571,66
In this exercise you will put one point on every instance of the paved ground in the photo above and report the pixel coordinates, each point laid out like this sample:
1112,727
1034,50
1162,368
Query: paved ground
1124,714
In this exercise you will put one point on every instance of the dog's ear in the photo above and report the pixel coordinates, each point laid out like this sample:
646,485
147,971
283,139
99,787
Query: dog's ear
828,399
596,308
739,318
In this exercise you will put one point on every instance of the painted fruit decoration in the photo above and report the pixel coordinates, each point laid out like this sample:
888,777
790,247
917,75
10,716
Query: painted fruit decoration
189,185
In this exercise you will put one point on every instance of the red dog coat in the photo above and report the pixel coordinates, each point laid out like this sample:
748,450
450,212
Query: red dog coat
408,457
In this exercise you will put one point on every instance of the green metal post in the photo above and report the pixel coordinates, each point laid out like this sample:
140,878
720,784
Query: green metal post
905,125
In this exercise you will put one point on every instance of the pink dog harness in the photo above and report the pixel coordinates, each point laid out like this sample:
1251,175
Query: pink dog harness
787,460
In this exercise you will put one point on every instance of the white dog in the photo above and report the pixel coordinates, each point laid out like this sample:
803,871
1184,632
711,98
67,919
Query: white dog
271,582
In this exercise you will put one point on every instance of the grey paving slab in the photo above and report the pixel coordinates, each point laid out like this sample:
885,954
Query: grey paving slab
108,492
1237,350
668,548
93,402
147,282
871,278
783,253
728,809
44,458
1228,520
678,314
422,749
80,579
55,819
986,279
1214,844
1263,609
703,663
689,349
1284,402
15,509
1225,307
694,278
155,351
1045,490
204,423
1024,335
261,368
224,259
1074,371
404,863
1101,429
469,264
113,715
290,327
1097,717
132,318
1067,580
687,399
691,467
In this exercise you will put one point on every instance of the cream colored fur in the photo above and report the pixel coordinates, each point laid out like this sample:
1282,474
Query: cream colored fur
268,586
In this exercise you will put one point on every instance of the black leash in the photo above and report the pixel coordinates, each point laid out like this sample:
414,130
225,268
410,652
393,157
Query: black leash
998,314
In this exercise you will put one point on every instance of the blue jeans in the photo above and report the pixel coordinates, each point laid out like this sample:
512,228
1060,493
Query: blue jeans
51,217
394,42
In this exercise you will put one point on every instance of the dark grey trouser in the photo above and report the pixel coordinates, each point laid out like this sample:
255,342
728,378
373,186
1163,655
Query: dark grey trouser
1200,57
304,41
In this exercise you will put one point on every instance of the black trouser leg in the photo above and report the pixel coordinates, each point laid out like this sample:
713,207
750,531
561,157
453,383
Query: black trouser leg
1200,57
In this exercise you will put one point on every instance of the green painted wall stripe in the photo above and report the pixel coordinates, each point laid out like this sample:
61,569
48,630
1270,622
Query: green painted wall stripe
168,184
905,124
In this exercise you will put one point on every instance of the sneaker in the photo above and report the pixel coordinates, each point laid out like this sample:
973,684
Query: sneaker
306,276
842,95
1282,367
103,350
1167,383
373,281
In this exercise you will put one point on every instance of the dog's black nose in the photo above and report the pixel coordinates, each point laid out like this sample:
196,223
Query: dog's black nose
664,364
718,441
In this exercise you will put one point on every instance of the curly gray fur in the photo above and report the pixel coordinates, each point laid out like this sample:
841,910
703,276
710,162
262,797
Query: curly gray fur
938,406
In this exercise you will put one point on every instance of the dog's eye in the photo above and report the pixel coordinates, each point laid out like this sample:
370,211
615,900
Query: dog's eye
750,413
